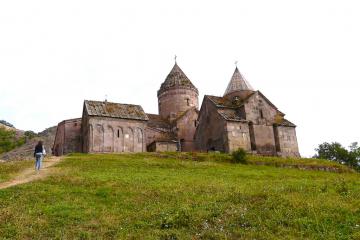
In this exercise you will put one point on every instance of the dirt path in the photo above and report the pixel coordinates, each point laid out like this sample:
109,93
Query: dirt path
29,175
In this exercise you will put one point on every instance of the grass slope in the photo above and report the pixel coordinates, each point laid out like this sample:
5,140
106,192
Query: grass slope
9,169
149,196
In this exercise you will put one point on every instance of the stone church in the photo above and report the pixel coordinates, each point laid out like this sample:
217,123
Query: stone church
241,118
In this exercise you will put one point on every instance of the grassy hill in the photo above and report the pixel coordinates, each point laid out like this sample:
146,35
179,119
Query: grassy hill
25,150
182,196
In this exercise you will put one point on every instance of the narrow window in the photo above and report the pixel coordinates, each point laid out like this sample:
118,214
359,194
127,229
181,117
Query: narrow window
261,113
188,101
118,133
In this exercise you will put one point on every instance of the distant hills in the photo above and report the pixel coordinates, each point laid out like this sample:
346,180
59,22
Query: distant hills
6,124
7,127
19,144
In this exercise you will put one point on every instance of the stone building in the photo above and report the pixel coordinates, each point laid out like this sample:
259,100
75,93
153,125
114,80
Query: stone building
68,137
113,127
242,118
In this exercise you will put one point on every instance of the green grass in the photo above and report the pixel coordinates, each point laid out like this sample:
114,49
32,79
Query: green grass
9,169
182,196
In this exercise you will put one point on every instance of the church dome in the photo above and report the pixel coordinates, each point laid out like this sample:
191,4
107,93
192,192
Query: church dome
176,79
238,83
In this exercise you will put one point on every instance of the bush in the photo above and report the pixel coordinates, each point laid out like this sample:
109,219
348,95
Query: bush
239,156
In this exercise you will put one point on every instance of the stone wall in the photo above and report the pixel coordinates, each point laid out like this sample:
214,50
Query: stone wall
163,147
114,135
185,129
68,137
264,140
58,147
287,142
210,135
259,111
153,134
238,136
176,101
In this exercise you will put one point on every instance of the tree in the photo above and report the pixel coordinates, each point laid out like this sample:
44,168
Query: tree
335,152
30,134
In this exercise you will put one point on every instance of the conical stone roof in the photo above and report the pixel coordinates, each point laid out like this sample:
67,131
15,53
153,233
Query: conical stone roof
176,78
238,83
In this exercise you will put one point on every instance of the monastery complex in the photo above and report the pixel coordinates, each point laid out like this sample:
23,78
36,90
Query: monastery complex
241,118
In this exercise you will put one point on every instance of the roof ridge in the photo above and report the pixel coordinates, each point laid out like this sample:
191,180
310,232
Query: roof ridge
115,110
129,104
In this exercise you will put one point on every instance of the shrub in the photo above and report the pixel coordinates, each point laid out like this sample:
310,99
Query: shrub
179,219
239,156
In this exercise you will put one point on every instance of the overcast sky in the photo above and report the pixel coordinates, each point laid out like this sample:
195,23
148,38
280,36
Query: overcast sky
303,55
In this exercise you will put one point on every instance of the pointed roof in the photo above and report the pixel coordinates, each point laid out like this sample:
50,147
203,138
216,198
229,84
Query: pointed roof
176,78
237,83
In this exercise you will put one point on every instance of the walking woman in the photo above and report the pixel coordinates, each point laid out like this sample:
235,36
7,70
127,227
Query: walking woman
39,153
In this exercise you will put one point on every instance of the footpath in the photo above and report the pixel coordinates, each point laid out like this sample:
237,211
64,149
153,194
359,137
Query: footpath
29,174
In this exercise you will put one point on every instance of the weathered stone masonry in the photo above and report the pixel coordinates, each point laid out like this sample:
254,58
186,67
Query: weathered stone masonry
241,118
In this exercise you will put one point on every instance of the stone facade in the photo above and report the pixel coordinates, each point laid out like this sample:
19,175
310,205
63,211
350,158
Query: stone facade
244,118
166,146
114,128
67,139
241,118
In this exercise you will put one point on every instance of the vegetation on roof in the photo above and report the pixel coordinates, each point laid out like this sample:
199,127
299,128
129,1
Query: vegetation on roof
116,110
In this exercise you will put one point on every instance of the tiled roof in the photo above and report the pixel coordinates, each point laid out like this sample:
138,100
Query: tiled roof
228,111
223,102
287,123
115,110
155,121
177,78
237,83
230,115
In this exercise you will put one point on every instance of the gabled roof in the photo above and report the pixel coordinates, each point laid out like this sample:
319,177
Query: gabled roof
231,115
237,83
115,110
220,101
224,102
176,78
286,123
155,121
229,112
182,114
